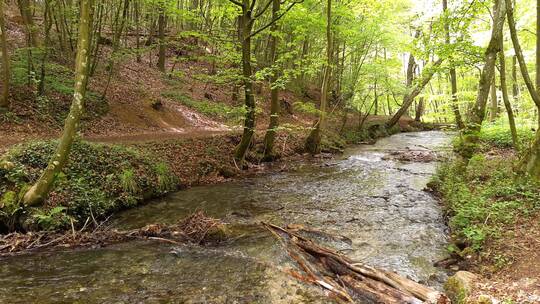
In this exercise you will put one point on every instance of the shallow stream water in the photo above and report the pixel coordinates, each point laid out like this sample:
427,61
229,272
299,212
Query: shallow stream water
376,205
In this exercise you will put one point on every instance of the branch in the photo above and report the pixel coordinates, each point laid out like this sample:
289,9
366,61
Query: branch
263,10
236,2
275,19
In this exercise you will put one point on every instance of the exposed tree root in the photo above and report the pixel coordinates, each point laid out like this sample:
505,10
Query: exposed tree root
348,281
196,228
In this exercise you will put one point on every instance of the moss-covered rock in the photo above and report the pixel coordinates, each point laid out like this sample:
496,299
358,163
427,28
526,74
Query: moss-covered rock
459,286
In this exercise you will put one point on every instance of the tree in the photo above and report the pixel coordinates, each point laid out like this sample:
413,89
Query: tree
506,99
161,34
313,142
531,162
408,99
38,192
275,108
245,22
4,99
452,71
469,135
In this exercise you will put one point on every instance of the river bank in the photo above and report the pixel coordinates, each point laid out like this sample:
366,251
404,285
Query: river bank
370,205
120,176
493,214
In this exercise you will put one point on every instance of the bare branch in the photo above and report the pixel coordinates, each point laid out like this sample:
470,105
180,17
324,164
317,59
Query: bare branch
275,19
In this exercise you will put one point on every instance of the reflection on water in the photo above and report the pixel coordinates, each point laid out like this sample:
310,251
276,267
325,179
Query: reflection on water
377,204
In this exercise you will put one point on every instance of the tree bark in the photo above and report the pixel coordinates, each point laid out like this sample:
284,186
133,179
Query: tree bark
506,99
245,23
494,106
39,191
161,33
470,136
270,136
313,142
453,79
4,99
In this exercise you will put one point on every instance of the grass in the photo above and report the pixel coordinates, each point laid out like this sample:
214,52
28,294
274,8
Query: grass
97,180
485,195
211,109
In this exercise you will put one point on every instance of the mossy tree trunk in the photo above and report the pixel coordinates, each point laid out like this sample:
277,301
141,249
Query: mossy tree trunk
531,161
4,99
313,142
39,191
270,136
469,135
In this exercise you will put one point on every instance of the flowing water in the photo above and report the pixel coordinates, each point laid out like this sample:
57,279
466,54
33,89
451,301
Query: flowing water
375,205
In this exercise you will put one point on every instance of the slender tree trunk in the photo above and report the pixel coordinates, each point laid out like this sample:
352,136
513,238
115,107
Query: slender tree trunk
494,108
515,87
419,110
538,53
161,33
453,79
39,191
313,142
4,99
245,23
270,136
470,135
409,98
137,30
531,162
506,99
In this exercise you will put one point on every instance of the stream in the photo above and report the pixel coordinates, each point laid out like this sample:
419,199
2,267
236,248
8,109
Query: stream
373,209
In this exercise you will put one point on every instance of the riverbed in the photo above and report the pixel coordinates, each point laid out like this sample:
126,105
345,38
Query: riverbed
369,206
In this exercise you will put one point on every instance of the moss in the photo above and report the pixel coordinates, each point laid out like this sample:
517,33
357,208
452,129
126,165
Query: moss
459,286
97,180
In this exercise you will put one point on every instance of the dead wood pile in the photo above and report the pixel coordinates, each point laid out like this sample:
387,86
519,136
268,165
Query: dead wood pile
348,281
196,228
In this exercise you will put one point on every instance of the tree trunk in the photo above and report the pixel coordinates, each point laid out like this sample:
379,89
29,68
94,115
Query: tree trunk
245,23
515,87
506,99
409,98
531,161
270,136
313,142
419,110
494,106
453,79
4,99
470,136
38,192
161,33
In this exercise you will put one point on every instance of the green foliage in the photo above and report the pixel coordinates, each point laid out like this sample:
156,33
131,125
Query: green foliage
97,180
499,135
212,109
484,196
52,219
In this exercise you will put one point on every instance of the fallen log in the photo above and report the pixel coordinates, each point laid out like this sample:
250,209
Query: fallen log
348,281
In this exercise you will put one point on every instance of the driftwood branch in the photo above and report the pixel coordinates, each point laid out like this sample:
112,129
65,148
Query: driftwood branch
349,281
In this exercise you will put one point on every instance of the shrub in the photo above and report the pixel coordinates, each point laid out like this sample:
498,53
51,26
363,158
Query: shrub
484,196
97,180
